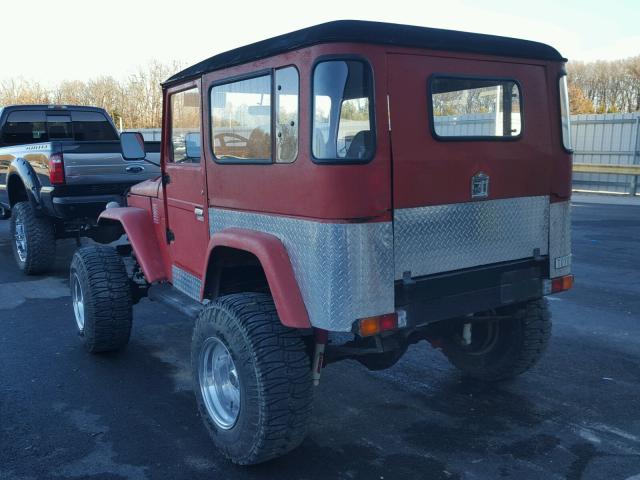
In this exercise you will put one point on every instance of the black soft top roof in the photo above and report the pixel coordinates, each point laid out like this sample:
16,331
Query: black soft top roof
356,31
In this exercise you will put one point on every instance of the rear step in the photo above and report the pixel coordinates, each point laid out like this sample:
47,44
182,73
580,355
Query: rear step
171,297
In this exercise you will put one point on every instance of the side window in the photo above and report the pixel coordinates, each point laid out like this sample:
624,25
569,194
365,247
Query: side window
287,93
241,121
185,126
565,115
343,111
475,107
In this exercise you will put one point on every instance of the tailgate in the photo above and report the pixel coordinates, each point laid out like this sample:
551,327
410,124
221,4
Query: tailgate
462,201
90,163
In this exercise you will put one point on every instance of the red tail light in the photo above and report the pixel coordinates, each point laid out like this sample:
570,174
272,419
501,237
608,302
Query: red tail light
56,169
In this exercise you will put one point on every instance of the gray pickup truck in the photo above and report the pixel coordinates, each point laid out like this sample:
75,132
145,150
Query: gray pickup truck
59,167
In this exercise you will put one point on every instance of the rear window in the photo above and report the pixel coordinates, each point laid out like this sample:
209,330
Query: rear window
475,108
92,127
24,127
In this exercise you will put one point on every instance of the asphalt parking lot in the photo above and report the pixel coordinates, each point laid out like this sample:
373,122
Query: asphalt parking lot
67,414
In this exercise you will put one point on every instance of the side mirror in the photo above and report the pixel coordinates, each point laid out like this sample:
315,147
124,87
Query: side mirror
192,144
132,145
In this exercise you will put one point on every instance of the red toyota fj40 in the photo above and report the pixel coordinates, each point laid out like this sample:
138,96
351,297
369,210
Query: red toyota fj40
396,183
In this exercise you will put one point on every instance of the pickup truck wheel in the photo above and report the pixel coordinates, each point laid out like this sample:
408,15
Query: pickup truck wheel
252,378
504,348
34,241
101,298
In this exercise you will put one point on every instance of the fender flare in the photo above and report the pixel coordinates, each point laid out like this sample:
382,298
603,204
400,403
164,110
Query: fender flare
138,226
275,261
24,171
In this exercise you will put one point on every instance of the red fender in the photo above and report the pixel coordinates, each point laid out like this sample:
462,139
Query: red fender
138,226
277,267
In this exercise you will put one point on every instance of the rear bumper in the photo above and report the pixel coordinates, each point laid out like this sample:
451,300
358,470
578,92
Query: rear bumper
78,207
455,294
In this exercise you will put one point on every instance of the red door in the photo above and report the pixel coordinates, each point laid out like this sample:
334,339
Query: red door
186,190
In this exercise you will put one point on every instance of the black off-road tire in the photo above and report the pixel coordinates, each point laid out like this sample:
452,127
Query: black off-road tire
273,373
520,341
100,273
40,252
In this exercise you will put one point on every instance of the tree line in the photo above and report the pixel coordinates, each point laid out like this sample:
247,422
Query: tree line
136,102
604,86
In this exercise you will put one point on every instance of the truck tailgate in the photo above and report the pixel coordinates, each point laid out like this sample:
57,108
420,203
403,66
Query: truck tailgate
87,163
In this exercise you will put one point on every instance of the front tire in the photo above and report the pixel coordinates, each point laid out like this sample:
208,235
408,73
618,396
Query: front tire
101,298
34,240
252,378
502,349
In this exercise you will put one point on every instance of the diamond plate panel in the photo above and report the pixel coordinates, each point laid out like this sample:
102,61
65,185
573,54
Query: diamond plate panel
559,237
344,270
445,238
186,282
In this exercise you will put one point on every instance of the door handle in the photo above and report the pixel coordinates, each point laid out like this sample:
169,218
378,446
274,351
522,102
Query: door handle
135,169
199,214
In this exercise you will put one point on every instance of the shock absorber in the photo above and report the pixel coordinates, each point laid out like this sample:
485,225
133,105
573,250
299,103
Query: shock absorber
321,337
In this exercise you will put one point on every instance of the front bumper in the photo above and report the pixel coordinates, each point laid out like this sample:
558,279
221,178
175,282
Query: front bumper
455,294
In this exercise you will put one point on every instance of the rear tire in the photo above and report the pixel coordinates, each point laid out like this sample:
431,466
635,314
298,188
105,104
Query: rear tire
101,298
34,240
505,348
252,378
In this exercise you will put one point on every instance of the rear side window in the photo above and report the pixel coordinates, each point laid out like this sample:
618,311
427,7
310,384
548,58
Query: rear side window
24,127
286,98
185,126
343,111
475,108
241,120
565,117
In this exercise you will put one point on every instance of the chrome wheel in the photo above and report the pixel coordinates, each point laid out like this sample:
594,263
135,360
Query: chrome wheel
219,383
20,238
78,302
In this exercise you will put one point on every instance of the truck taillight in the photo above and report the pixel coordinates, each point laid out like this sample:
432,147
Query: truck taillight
561,284
374,325
56,169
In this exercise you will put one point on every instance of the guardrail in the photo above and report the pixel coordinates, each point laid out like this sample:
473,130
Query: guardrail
598,168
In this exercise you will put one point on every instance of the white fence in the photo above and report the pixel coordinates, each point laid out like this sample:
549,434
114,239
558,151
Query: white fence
607,139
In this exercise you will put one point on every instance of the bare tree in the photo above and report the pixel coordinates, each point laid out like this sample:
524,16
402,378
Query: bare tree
136,101
610,86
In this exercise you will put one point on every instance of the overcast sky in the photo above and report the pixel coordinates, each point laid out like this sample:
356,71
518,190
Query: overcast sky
50,41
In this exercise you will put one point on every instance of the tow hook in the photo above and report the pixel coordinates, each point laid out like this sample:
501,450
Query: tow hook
466,334
321,337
